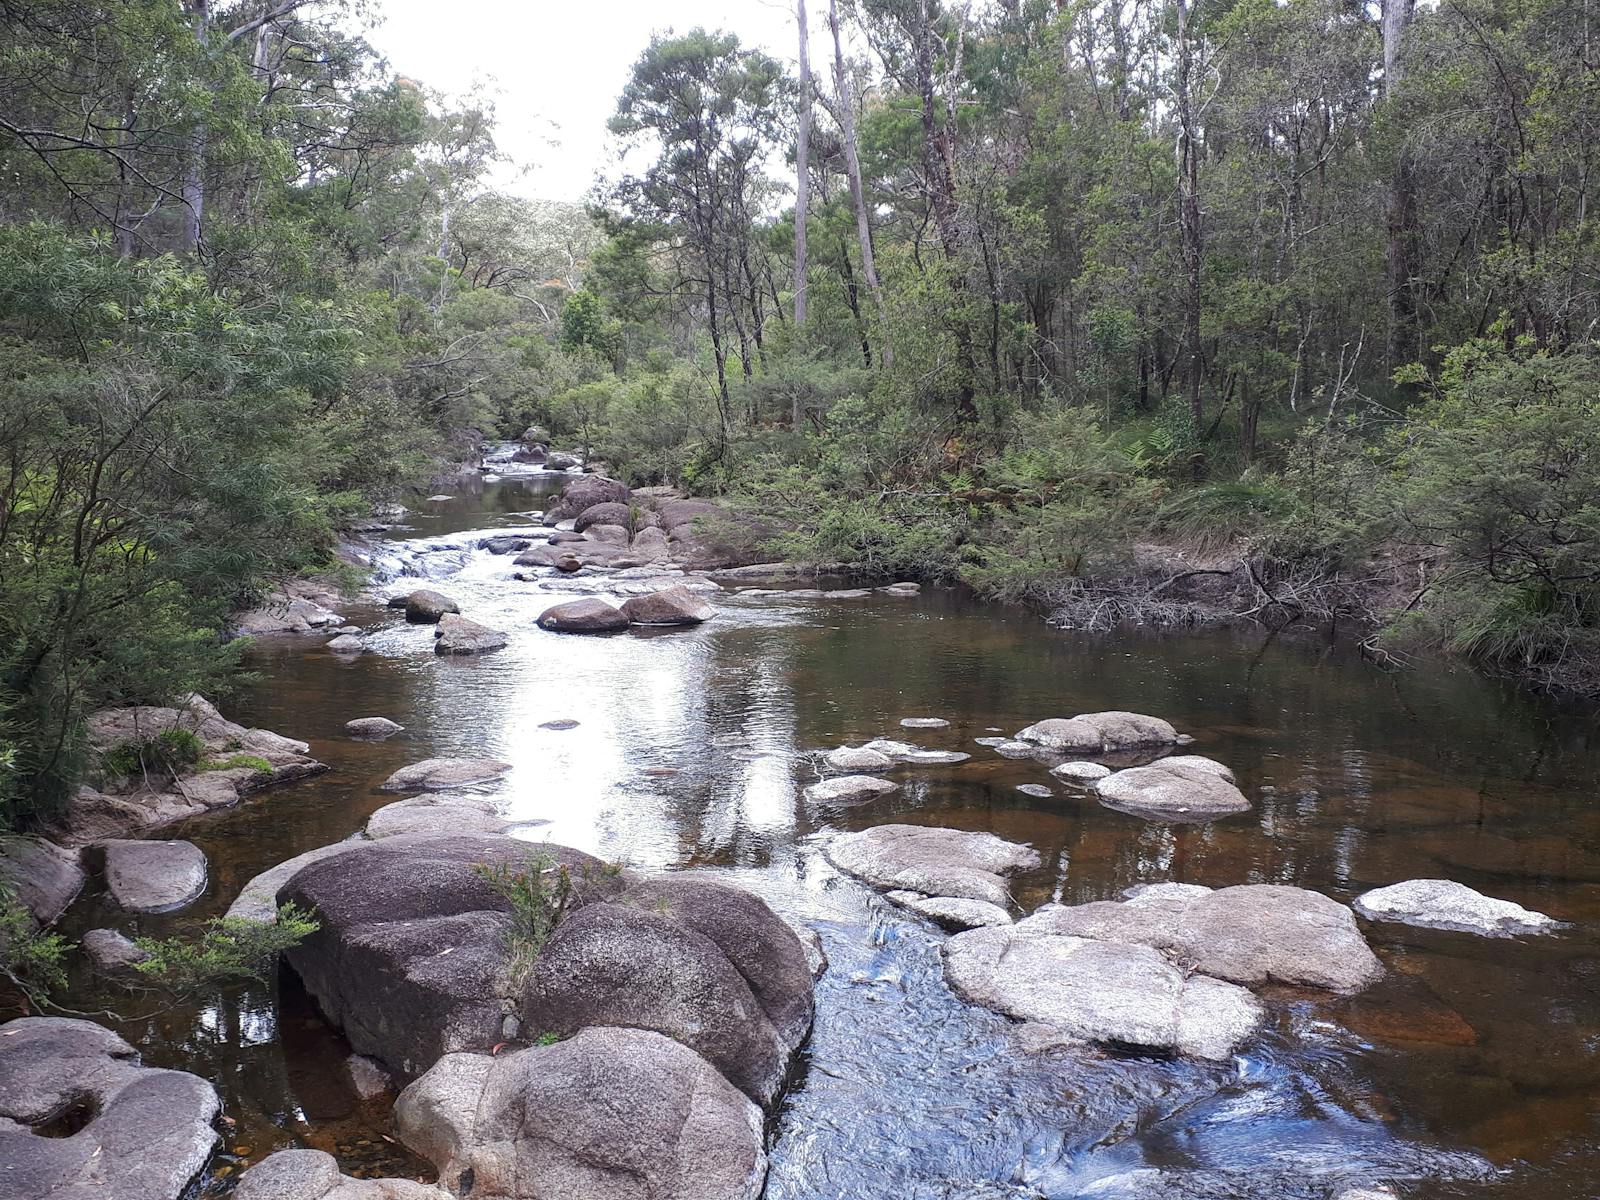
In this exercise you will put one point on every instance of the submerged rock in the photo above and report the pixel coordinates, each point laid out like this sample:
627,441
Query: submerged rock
314,1175
457,635
589,615
347,643
934,861
373,728
1107,992
79,1116
924,723
1443,904
674,605
1035,789
114,957
154,877
441,774
857,759
606,1114
425,607
438,813
1183,788
849,789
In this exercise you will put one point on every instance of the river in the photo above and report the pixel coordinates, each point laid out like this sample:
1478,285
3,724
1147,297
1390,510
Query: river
1472,1070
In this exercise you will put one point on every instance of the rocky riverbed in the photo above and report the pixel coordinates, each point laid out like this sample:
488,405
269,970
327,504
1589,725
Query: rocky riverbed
872,894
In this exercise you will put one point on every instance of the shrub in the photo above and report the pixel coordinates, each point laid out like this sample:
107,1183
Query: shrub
540,894
169,753
227,950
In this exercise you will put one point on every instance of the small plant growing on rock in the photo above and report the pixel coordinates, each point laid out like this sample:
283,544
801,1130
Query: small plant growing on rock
540,894
30,958
170,753
252,761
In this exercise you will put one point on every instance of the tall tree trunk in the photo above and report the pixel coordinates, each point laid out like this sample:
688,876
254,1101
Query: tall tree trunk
1401,209
852,167
1189,212
802,160
192,189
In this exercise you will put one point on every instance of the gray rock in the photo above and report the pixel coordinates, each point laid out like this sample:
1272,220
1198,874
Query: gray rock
607,1114
457,635
589,615
347,643
506,543
146,1133
1443,904
258,900
1173,789
936,862
905,752
559,724
42,876
651,544
368,1077
950,912
113,955
1250,934
1100,733
410,959
857,759
1105,992
585,493
609,512
1149,892
1080,772
438,813
373,728
153,877
425,607
924,723
849,789
442,774
314,1175
610,535
674,605
1035,789
708,965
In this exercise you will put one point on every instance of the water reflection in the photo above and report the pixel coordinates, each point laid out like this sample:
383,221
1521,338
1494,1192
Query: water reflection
691,748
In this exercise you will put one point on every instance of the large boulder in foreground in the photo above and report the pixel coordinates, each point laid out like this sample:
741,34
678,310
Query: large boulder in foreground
610,1113
1106,992
589,615
80,1117
1183,788
1251,934
314,1175
675,605
1100,733
154,877
933,861
410,958
709,965
1444,904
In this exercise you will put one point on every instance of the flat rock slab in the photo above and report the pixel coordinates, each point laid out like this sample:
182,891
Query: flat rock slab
1078,771
1106,992
1251,934
1443,904
373,729
442,774
934,861
1100,733
438,813
457,635
1183,788
924,723
1035,789
905,752
154,877
589,615
606,1114
314,1175
849,789
148,1134
952,912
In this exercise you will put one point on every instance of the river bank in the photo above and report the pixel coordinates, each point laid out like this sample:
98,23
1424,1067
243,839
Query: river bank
694,749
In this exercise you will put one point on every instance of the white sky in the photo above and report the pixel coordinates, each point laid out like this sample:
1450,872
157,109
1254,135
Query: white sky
556,67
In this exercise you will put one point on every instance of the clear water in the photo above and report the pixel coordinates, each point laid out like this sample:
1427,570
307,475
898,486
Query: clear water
1473,1070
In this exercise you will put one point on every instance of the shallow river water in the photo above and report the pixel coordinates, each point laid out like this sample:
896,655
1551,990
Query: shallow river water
1472,1070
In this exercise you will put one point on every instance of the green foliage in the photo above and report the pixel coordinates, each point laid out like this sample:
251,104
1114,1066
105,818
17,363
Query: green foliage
32,958
229,949
238,762
539,894
171,752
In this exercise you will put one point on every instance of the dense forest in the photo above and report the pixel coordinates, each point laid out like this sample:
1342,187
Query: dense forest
1086,305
